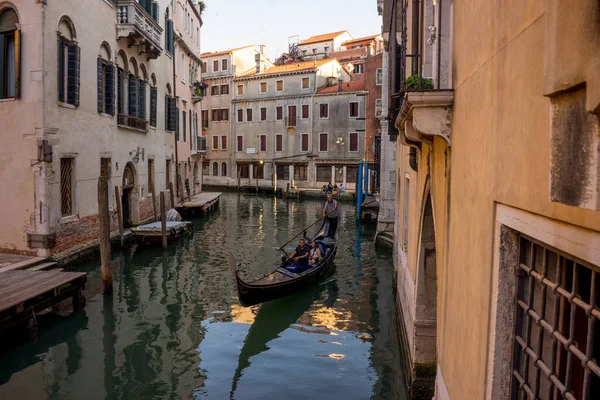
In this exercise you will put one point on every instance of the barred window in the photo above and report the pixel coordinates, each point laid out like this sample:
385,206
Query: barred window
150,174
557,326
66,186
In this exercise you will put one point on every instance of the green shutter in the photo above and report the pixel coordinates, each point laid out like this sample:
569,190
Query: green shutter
100,95
167,113
109,87
73,66
142,99
177,123
3,91
120,91
61,68
184,124
153,106
133,86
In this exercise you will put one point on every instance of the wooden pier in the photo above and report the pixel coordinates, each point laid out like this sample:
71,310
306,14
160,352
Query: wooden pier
25,293
200,204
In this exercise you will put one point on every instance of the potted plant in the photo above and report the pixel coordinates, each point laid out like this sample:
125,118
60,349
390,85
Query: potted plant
417,82
199,89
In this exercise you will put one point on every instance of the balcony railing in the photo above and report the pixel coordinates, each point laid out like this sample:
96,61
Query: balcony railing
127,121
137,26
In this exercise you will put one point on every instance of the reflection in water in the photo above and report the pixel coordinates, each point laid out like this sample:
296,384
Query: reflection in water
173,327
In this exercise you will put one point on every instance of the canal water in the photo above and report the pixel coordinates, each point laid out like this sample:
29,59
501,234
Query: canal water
173,328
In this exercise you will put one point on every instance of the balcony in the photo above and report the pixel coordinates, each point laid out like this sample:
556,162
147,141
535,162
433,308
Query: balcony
126,121
198,92
425,114
201,144
136,25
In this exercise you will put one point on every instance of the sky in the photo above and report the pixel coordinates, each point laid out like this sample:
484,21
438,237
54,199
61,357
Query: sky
235,23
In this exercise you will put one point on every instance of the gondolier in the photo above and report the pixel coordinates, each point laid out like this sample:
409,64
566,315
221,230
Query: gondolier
331,210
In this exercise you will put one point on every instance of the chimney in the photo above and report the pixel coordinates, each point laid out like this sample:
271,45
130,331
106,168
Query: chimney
340,82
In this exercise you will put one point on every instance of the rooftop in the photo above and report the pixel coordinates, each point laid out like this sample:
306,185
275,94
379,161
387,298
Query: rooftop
224,52
355,86
296,67
322,38
362,39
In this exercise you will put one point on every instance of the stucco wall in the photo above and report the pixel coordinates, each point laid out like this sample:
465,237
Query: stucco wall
21,124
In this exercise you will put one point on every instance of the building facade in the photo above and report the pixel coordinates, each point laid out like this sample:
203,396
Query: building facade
218,71
91,100
298,124
321,46
497,227
189,94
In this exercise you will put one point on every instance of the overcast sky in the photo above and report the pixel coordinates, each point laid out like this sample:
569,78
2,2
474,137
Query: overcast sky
236,23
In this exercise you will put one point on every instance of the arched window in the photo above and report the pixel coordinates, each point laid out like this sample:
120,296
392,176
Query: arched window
215,168
10,56
106,81
142,103
122,69
153,100
224,169
69,59
168,32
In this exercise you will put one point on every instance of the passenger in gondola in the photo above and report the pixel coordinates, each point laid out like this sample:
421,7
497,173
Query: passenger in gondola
300,255
315,254
329,188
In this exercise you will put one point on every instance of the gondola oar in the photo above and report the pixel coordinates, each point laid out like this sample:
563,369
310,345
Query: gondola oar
303,231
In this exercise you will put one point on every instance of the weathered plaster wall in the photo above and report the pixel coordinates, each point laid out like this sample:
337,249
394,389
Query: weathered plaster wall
21,124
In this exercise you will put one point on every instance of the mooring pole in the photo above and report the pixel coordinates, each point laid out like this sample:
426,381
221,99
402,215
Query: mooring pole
359,189
120,214
104,221
172,195
154,205
163,220
366,178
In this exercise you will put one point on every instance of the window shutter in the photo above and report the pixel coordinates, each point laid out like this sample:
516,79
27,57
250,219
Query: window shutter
73,61
100,87
184,120
176,123
17,64
142,99
120,91
133,86
173,114
109,87
61,68
153,108
155,12
3,91
167,113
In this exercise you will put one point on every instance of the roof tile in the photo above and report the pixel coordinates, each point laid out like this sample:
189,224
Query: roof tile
354,86
322,38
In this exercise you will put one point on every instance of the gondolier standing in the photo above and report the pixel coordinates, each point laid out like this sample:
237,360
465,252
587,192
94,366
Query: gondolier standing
332,212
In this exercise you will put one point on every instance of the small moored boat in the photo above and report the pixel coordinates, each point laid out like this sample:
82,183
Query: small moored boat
288,278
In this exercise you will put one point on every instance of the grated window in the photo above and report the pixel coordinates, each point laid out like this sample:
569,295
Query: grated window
66,186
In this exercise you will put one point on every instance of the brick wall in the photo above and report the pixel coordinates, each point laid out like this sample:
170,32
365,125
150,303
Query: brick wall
79,233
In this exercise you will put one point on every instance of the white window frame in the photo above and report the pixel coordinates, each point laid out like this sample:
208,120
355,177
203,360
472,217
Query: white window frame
276,136
357,143
236,143
260,143
357,109
302,105
307,142
282,85
266,87
302,85
327,117
327,135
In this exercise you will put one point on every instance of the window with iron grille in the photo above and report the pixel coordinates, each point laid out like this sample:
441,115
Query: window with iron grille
223,169
323,173
300,172
150,175
66,186
557,326
215,168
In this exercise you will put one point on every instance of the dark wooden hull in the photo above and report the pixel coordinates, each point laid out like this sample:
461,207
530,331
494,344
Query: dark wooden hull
251,293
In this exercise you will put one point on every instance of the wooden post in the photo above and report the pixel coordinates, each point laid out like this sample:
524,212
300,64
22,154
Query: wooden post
181,190
119,213
163,220
104,219
172,194
154,202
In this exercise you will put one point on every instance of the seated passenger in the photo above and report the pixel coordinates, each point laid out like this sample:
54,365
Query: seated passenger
315,254
300,255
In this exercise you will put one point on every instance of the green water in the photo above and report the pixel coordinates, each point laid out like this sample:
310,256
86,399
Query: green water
173,328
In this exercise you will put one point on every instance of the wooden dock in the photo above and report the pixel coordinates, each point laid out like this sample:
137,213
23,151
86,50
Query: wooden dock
25,293
203,202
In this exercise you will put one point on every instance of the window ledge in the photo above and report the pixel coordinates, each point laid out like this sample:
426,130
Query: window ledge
106,115
7,100
131,129
66,105
70,218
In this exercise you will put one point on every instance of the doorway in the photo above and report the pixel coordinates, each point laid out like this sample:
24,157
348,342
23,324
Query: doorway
128,198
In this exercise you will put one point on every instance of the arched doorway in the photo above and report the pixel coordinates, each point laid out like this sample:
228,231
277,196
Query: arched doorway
128,197
426,307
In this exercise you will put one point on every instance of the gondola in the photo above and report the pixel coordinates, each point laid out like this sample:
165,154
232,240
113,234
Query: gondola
287,278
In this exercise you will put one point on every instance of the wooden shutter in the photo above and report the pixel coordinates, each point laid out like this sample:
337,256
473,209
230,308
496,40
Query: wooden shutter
61,68
100,86
153,106
132,96
176,121
172,114
120,91
73,67
142,99
109,89
17,64
155,11
184,120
